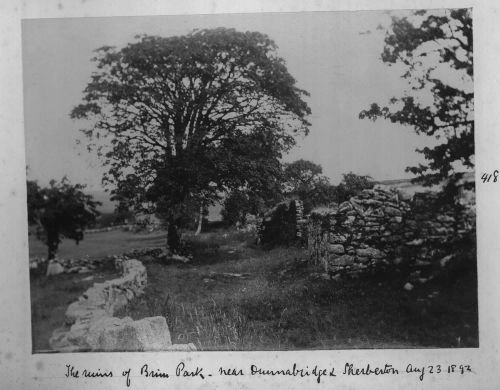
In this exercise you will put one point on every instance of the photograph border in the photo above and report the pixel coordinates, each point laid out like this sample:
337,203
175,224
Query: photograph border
48,370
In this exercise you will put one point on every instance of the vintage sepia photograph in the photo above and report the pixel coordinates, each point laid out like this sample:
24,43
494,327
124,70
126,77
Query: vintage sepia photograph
251,182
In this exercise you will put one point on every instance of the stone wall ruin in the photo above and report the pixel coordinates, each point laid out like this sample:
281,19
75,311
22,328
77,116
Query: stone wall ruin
285,224
90,324
383,226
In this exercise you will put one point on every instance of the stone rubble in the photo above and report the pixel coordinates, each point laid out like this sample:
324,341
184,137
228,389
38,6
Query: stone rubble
69,266
86,264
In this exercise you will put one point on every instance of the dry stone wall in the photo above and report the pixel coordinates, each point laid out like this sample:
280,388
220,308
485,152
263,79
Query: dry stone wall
90,324
382,225
68,266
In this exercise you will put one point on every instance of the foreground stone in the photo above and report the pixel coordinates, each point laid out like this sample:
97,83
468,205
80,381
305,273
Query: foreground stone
148,334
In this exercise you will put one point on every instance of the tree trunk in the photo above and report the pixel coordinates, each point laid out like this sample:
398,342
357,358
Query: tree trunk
173,238
52,244
51,254
200,221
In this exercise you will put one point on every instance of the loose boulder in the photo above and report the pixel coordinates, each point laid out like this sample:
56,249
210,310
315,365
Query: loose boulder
148,334
54,268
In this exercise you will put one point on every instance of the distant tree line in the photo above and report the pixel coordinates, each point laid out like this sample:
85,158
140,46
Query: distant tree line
302,180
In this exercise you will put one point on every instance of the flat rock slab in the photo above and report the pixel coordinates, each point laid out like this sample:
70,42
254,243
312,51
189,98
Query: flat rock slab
148,334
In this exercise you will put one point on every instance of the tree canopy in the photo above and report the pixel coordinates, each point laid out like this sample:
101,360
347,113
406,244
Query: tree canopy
351,185
61,210
435,48
304,180
191,117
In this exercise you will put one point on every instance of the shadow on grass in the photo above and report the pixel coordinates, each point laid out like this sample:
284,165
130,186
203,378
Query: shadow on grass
219,245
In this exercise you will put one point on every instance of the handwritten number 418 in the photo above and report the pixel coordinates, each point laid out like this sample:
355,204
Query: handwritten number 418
487,178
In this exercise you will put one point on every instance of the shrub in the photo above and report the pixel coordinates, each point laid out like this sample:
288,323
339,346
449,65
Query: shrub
280,227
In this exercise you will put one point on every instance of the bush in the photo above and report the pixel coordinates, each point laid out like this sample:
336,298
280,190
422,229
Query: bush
351,185
280,228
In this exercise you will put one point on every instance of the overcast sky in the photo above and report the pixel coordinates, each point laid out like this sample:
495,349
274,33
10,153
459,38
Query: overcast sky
330,54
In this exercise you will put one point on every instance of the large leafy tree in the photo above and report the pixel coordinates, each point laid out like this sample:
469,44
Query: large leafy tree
191,117
435,49
61,210
304,180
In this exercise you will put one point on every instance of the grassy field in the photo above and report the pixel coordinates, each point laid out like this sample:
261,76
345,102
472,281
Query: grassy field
236,296
100,244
